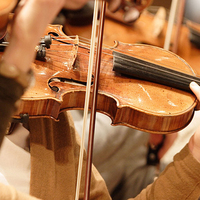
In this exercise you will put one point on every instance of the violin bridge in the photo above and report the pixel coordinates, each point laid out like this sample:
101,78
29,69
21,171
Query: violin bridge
75,50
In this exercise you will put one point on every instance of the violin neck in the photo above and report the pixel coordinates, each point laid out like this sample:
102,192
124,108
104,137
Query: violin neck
134,67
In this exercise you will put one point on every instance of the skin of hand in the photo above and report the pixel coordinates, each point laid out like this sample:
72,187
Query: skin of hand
29,23
114,5
194,143
131,13
75,4
156,139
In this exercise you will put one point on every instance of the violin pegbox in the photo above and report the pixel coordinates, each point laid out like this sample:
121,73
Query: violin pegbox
45,43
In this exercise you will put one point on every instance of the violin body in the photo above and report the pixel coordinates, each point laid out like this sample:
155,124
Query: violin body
61,78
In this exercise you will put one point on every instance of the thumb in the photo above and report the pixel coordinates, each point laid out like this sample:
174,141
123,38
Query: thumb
195,89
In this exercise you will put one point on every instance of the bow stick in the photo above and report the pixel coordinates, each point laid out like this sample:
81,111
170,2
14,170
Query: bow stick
87,97
94,101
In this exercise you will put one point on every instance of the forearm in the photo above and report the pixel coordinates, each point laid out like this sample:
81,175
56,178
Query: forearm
180,180
21,50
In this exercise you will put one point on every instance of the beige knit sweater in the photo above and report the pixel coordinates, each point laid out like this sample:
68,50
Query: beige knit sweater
54,157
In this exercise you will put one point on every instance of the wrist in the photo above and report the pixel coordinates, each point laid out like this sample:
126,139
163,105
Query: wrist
194,149
20,54
12,72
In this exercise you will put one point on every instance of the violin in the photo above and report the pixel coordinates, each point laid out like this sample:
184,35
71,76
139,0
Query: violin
61,81
64,69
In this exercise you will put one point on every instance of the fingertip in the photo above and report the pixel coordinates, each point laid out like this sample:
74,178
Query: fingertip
131,15
114,5
194,86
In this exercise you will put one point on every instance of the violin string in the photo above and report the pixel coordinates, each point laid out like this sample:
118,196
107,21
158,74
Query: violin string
82,40
125,59
122,51
153,73
135,62
87,97
78,62
110,47
163,73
